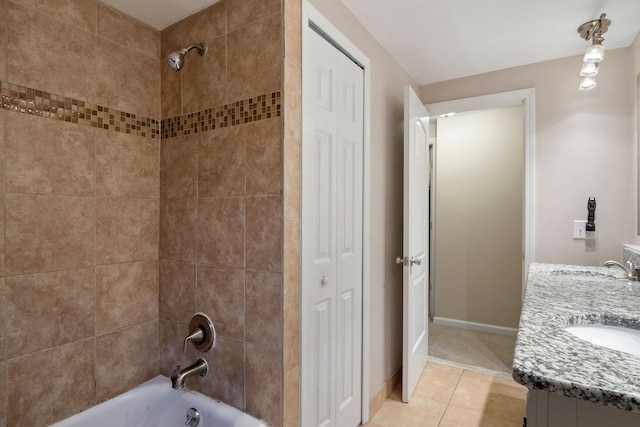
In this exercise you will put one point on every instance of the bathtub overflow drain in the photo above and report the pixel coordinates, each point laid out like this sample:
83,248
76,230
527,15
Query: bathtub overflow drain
193,418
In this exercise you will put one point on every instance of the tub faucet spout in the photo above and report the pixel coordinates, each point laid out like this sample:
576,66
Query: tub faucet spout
178,377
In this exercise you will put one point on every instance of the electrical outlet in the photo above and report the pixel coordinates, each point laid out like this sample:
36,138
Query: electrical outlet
579,229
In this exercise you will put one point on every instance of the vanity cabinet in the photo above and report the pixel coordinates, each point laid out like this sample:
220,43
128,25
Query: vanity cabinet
546,409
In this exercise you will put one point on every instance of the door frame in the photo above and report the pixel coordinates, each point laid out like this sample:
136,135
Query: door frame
526,98
311,14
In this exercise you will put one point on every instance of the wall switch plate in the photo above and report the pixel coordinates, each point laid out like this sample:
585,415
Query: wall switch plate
579,229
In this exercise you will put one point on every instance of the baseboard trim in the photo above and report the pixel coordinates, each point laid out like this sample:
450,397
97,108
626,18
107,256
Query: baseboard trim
463,324
376,402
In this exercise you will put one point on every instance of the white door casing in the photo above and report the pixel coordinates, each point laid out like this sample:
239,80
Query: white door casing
332,239
415,306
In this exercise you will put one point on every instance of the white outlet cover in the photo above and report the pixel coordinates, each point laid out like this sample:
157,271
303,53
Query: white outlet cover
579,229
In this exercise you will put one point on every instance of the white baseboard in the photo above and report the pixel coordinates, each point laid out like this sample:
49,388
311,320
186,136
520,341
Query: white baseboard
463,324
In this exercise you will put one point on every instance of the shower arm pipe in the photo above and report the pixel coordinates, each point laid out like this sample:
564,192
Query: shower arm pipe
202,48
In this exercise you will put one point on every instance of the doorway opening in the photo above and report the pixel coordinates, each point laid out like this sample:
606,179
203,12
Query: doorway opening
482,226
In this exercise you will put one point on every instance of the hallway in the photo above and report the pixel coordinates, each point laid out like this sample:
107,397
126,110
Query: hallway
456,397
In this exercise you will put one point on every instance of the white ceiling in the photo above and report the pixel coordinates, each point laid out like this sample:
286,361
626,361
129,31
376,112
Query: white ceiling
437,40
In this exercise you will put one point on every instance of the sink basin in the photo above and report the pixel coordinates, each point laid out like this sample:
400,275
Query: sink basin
613,337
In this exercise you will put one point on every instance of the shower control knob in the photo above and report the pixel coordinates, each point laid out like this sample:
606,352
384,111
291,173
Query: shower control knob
193,417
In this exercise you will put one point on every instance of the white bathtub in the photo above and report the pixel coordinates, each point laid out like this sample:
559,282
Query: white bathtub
156,404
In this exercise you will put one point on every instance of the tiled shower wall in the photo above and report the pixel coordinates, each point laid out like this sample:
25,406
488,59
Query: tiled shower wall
92,200
80,194
221,201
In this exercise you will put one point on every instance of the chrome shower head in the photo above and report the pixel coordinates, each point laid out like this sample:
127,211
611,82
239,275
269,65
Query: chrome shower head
175,60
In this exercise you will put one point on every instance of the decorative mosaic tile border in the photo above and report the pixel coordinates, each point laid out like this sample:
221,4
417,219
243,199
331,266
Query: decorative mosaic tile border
44,104
26,100
237,113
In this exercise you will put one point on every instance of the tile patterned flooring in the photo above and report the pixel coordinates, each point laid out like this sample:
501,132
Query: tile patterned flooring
455,397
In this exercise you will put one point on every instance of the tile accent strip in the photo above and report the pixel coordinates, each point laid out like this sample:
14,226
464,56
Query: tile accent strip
27,100
237,113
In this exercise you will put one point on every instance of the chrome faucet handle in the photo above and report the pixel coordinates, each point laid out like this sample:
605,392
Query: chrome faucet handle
195,337
201,333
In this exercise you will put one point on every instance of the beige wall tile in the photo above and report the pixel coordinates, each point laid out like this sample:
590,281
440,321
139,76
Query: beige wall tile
126,230
291,398
126,165
79,13
3,41
264,157
179,167
126,294
3,394
171,95
60,303
291,256
36,57
45,233
291,330
293,31
221,224
177,291
61,390
221,296
204,77
208,24
263,308
172,335
3,316
178,229
264,382
125,359
128,81
292,140
49,156
264,233
221,163
255,58
124,30
226,377
242,12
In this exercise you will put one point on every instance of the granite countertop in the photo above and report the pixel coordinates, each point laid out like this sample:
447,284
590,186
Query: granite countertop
551,359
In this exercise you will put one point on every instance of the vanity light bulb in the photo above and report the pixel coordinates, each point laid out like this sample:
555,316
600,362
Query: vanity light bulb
589,69
594,53
587,83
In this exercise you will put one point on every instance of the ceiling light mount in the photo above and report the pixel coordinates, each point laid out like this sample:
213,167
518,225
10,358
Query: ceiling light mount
593,30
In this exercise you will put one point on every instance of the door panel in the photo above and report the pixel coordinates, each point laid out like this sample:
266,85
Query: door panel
332,171
415,242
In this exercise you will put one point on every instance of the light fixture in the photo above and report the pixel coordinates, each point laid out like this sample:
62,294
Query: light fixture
592,30
589,69
587,83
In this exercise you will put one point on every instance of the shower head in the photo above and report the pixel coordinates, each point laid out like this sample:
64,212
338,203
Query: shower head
175,60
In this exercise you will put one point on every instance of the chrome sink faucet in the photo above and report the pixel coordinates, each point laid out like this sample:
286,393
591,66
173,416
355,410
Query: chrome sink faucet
178,377
633,273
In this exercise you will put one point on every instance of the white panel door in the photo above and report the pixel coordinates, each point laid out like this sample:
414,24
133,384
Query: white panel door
332,170
415,242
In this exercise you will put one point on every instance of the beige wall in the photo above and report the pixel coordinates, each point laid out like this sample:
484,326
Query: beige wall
478,219
635,131
584,147
387,83
112,239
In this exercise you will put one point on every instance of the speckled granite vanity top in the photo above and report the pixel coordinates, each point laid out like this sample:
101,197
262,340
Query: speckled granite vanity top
551,359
